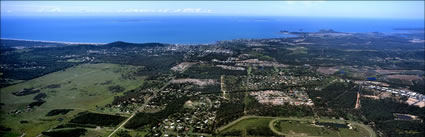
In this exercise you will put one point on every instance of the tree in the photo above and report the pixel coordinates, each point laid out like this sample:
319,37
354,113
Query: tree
123,133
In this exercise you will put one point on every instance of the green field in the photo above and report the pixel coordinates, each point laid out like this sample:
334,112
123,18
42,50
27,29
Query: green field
248,123
297,127
305,128
82,87
298,50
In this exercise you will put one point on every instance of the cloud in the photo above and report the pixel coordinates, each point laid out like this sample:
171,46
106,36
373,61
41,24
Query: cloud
304,3
184,10
56,9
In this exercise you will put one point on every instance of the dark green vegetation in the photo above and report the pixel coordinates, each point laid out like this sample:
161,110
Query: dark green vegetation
35,62
80,89
279,111
39,96
402,128
97,119
381,112
123,133
250,127
207,71
66,132
200,90
26,91
55,112
116,88
229,112
145,119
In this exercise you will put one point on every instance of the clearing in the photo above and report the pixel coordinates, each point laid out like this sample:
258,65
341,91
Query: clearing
83,87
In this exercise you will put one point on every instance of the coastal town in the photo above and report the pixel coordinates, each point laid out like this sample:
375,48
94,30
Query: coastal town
217,89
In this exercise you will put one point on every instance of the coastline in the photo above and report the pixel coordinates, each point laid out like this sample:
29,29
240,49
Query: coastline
58,42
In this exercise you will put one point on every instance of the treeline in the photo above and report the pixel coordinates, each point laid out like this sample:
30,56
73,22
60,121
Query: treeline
228,112
153,64
285,110
55,112
336,95
143,119
260,131
333,52
207,72
381,113
208,89
36,62
116,89
73,132
126,99
401,128
379,110
97,119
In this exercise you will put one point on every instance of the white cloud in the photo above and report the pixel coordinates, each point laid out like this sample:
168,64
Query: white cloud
304,3
184,10
56,9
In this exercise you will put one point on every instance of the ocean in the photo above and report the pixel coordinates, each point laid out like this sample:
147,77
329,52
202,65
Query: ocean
183,29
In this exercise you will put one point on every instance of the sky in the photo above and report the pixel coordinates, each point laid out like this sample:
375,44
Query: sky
348,9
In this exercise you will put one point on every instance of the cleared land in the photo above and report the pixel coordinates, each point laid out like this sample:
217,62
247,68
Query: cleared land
304,127
247,123
295,127
83,87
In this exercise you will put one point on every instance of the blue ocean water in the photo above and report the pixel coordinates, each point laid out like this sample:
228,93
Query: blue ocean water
183,29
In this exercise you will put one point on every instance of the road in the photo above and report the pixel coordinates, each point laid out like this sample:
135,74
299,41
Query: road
222,86
128,119
141,107
368,129
371,132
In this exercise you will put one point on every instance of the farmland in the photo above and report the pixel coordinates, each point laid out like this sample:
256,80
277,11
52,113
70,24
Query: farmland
83,87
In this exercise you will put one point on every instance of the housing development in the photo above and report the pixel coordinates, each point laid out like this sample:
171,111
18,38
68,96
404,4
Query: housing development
326,83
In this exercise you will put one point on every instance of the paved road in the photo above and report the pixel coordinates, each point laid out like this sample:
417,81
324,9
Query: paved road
368,129
141,107
128,119
371,132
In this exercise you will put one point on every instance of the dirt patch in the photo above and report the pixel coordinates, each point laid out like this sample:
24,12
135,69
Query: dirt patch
404,77
385,71
230,67
327,70
182,66
199,82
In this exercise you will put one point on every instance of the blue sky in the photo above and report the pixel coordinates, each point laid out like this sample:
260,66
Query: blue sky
350,9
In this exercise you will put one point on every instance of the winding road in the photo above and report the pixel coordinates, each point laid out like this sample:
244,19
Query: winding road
367,128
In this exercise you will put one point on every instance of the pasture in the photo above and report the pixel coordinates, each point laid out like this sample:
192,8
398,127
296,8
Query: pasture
297,127
81,88
248,124
322,127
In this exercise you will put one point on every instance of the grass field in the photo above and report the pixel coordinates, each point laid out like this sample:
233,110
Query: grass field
298,50
248,123
297,127
305,128
82,88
